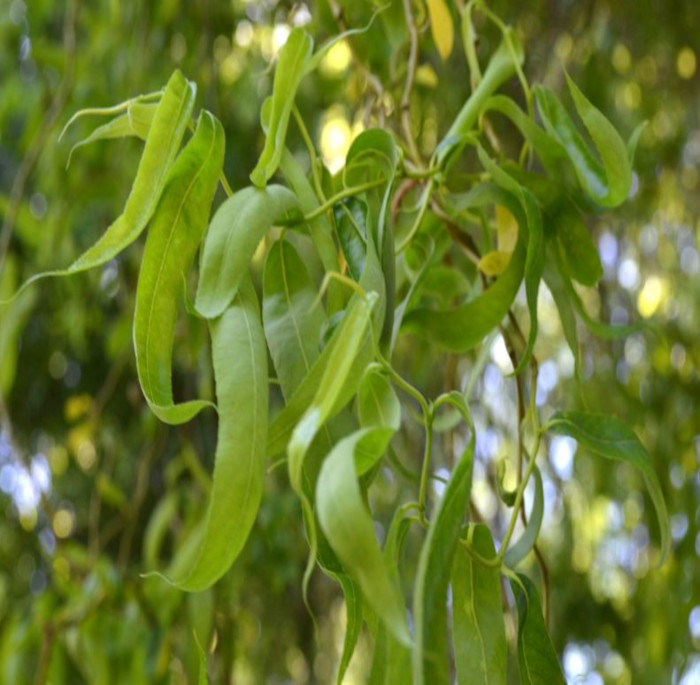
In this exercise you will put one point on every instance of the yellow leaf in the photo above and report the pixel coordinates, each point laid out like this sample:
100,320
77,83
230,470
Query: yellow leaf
441,27
494,263
507,229
426,76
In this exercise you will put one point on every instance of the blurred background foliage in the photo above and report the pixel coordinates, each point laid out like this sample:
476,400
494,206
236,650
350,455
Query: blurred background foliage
94,491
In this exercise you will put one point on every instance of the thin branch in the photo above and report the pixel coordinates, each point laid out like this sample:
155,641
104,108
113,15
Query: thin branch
410,80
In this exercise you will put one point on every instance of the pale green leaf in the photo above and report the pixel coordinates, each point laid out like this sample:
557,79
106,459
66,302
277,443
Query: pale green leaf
521,548
173,239
237,228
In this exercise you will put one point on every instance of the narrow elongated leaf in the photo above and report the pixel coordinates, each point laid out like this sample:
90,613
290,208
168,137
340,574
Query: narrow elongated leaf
351,220
578,252
164,137
431,652
555,282
240,369
534,260
353,612
377,402
237,228
174,236
537,660
608,437
462,328
526,541
478,629
293,58
441,27
607,184
340,362
350,531
292,319
135,122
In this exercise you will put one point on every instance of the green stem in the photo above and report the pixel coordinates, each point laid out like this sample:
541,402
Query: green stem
421,213
347,192
312,153
422,495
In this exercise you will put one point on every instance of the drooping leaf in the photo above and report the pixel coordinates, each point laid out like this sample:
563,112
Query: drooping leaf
351,337
461,328
441,27
554,280
240,370
162,143
578,252
135,122
351,220
534,259
609,437
478,630
377,402
431,652
293,59
521,548
501,67
173,239
537,660
607,184
238,226
348,526
291,317
494,263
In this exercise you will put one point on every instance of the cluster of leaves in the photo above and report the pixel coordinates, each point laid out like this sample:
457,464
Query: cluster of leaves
332,344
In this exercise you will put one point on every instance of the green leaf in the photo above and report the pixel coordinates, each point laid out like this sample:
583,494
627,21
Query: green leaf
462,328
431,653
350,531
351,220
520,549
351,336
501,67
578,252
173,239
202,658
534,259
291,67
240,369
164,137
12,321
537,660
478,629
291,317
135,122
377,403
237,228
608,437
607,184
555,282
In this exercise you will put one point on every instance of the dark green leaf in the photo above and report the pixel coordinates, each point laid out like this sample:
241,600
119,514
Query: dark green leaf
537,660
578,252
608,437
351,220
478,630
431,652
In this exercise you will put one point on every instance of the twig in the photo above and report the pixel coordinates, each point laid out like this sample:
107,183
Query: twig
410,80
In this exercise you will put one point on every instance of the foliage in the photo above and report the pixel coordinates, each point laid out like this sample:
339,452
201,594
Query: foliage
351,278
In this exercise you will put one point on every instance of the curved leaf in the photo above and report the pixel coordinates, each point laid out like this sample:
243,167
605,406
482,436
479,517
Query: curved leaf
350,531
478,629
431,652
537,660
237,228
164,137
608,437
527,540
173,238
578,252
461,328
351,220
293,58
291,317
240,369
441,27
